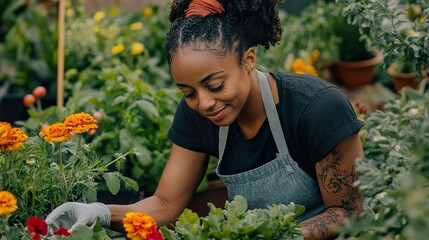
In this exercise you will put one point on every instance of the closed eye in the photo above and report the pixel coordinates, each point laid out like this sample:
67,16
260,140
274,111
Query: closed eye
190,95
216,89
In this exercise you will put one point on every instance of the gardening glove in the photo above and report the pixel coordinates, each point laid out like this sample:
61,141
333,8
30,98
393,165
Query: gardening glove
70,215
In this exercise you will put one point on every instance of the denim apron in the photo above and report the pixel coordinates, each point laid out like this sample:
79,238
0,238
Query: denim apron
278,181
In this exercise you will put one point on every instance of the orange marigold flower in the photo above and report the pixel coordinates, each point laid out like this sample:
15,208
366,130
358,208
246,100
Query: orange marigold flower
80,123
300,66
8,203
56,132
314,56
139,225
13,139
4,127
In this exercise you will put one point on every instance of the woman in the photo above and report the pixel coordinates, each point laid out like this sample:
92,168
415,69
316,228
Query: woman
279,137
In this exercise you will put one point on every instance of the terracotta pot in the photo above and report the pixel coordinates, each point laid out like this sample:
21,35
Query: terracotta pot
356,73
401,80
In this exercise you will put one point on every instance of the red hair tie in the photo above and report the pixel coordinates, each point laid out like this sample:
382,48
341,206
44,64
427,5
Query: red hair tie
203,8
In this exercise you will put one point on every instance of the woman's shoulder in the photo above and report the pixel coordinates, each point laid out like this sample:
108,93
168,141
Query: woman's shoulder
303,85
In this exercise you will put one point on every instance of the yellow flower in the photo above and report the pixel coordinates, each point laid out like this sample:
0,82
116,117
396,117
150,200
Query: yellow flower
148,11
139,225
69,12
80,123
99,15
422,20
118,49
8,203
96,29
136,26
12,139
137,48
56,132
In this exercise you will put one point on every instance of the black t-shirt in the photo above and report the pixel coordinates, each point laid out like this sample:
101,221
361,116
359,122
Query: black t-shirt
315,116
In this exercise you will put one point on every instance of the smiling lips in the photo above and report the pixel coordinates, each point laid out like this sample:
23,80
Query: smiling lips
216,116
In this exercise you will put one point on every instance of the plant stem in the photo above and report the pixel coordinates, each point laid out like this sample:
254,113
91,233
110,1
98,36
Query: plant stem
62,168
39,105
77,147
119,158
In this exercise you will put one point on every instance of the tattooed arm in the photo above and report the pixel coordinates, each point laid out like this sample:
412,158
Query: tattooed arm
335,175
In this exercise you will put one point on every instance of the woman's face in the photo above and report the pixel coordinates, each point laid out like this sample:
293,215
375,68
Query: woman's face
215,86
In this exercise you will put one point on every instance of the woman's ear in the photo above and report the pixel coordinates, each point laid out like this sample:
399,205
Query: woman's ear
249,59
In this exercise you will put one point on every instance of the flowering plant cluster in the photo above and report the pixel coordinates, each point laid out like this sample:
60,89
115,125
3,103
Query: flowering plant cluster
113,36
54,167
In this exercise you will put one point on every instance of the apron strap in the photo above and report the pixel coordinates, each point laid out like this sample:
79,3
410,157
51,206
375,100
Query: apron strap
223,135
272,115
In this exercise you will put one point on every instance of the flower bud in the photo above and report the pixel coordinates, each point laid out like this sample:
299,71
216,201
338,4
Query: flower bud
86,148
54,165
30,161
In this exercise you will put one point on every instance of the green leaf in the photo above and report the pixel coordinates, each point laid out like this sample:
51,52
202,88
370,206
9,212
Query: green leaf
90,191
130,183
148,107
113,182
81,232
188,216
169,234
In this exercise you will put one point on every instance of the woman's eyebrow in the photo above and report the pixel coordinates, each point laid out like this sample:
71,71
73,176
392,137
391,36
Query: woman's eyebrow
206,78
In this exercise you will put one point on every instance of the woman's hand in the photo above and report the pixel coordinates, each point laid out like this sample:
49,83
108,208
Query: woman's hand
71,214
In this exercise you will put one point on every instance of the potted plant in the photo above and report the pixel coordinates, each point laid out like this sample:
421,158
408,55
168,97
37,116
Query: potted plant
322,44
402,70
356,64
403,74
390,26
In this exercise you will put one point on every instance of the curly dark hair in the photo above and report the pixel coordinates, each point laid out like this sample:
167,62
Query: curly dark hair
244,24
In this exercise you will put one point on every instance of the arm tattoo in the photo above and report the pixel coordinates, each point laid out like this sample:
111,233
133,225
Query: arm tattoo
332,177
319,226
334,180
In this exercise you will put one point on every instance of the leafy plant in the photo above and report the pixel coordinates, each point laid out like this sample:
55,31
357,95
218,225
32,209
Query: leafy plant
394,174
235,221
351,47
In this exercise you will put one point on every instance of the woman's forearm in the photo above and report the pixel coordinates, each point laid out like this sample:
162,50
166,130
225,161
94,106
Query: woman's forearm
153,206
320,226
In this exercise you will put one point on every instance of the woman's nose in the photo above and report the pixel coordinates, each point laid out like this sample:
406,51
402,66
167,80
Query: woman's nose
205,101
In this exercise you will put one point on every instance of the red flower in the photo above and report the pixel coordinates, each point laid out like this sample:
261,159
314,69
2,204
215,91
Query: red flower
155,236
35,237
62,232
37,226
